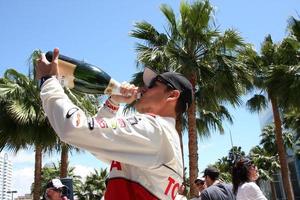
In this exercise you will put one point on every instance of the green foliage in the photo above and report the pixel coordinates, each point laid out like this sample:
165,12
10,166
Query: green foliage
268,139
266,162
265,155
23,122
90,187
284,82
32,61
52,170
268,51
225,164
224,167
294,27
292,121
193,46
93,187
257,103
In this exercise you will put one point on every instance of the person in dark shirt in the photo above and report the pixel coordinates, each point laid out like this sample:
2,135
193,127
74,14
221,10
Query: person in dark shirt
216,190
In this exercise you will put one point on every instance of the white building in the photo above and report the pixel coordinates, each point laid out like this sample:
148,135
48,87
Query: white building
5,177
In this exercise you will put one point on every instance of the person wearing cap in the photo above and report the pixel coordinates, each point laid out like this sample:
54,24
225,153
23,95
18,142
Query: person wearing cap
180,193
216,190
244,175
143,149
200,185
55,190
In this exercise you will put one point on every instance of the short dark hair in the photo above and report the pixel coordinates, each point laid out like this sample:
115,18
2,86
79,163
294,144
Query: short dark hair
180,107
212,172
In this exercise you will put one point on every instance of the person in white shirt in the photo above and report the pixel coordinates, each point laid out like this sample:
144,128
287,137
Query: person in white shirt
143,149
244,175
180,194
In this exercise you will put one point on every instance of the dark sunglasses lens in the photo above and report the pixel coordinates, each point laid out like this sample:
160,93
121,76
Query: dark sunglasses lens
152,83
161,80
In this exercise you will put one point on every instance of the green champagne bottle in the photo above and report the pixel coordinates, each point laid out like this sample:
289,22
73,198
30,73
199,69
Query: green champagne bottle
84,77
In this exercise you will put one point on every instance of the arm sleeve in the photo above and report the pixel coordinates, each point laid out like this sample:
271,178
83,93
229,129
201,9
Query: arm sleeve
132,140
255,191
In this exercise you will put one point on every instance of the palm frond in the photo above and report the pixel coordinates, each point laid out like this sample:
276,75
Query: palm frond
257,103
294,27
32,63
284,82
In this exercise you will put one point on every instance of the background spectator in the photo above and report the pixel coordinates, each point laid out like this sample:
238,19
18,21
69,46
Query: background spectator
244,175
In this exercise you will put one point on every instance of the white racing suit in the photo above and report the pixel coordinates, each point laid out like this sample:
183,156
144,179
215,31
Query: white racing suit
143,150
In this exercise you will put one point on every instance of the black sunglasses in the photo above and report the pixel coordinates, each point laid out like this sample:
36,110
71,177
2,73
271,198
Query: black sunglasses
152,84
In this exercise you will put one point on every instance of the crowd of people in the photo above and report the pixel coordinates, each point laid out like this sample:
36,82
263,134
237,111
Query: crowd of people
243,187
144,149
209,186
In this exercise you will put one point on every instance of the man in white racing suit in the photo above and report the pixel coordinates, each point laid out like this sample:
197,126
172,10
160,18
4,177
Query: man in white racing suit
144,149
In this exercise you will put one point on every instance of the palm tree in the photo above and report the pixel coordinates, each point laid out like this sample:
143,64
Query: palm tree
268,139
267,164
53,171
294,28
26,124
225,164
94,186
266,157
224,168
292,121
276,77
195,48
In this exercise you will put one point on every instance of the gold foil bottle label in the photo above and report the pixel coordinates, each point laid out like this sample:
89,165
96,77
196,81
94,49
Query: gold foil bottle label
112,88
66,73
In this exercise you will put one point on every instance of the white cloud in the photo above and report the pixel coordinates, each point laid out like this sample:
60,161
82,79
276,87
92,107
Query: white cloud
22,180
22,157
82,170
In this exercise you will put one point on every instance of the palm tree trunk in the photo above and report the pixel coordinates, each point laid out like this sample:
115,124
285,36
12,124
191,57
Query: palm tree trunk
193,144
64,160
281,151
179,131
37,172
273,190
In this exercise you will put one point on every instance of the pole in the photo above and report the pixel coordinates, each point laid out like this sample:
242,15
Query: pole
12,193
231,138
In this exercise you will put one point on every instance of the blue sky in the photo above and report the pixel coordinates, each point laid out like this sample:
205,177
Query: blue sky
97,31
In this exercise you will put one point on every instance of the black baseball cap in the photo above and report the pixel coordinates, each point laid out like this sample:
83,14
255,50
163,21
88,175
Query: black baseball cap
176,80
211,172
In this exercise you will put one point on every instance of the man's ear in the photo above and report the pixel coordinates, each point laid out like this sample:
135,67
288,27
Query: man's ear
174,95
